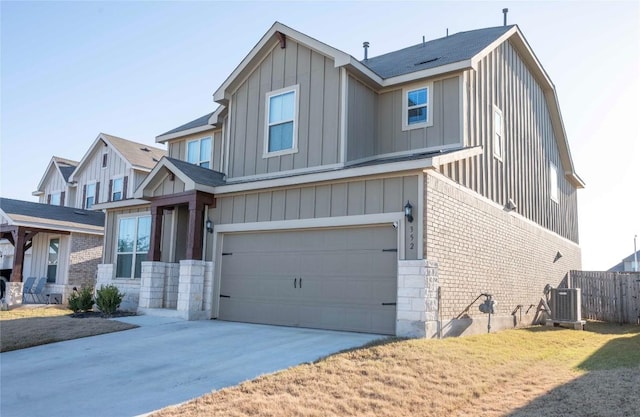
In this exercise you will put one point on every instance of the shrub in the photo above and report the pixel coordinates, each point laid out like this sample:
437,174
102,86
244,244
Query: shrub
108,299
81,300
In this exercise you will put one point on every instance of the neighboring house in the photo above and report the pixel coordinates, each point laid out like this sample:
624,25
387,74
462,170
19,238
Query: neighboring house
382,195
54,186
628,264
63,244
109,171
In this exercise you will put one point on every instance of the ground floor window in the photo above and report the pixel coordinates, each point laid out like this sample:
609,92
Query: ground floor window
134,235
52,261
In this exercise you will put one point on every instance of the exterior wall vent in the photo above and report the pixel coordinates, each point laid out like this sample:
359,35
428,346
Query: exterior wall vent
565,304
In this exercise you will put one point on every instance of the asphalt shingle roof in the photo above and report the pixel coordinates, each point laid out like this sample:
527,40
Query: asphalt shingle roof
198,174
50,212
200,121
66,166
138,154
435,53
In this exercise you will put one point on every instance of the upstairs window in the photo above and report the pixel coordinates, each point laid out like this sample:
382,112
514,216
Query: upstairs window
55,199
199,152
117,189
282,111
104,160
90,196
497,133
553,182
416,107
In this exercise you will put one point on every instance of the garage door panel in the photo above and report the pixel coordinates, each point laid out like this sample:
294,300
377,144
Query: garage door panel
345,274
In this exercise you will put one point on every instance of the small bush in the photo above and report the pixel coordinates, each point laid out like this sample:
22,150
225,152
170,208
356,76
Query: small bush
81,300
108,299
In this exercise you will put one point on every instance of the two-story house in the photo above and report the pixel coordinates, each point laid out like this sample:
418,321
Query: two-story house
383,195
61,236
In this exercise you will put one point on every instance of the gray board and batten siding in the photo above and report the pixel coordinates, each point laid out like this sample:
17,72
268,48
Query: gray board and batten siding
347,198
374,121
111,230
503,79
93,172
318,110
178,148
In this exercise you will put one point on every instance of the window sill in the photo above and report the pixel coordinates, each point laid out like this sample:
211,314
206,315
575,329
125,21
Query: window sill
279,153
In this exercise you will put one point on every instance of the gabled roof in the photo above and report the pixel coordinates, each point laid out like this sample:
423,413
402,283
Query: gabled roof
46,216
193,176
620,266
435,53
199,122
138,155
63,166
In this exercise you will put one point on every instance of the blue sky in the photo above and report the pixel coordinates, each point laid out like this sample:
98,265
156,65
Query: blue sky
70,70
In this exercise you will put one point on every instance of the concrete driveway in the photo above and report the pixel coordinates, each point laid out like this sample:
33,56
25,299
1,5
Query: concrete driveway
165,361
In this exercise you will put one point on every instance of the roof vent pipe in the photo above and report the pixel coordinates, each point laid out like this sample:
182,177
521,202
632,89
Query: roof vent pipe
504,12
423,41
365,45
447,32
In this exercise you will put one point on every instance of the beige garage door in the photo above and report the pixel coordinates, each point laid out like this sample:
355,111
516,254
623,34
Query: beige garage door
340,279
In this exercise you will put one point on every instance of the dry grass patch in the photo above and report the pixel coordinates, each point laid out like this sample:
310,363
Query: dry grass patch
24,327
516,372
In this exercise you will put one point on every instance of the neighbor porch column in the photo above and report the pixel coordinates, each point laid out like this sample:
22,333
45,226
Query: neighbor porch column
151,285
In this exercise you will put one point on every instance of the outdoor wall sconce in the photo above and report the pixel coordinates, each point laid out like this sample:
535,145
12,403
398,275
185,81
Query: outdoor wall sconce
408,211
209,226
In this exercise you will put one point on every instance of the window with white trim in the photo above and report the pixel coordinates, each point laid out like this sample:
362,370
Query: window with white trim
52,260
90,196
199,152
117,189
416,107
498,130
134,240
281,122
553,182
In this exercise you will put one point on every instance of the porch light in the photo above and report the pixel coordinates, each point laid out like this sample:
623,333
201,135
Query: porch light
408,211
209,226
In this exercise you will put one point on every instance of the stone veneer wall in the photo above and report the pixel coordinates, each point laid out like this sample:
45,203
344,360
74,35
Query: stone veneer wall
130,287
85,255
482,248
417,305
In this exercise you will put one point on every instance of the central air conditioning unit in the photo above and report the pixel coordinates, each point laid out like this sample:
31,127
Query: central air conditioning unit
565,304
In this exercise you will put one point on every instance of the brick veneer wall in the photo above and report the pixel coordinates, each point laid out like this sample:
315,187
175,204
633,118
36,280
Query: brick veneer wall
86,254
481,247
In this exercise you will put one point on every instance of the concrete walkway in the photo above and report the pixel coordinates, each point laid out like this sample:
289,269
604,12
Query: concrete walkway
165,361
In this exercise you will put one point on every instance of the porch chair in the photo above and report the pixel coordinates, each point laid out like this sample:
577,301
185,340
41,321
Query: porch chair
26,288
37,293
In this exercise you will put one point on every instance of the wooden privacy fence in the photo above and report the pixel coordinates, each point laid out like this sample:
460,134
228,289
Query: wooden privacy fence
608,296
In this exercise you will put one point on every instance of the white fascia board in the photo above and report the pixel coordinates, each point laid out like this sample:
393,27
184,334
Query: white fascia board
164,138
375,169
456,156
213,120
431,72
340,58
86,156
189,184
493,45
23,221
131,202
42,180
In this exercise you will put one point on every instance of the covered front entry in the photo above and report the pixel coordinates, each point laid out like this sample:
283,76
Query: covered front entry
339,278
